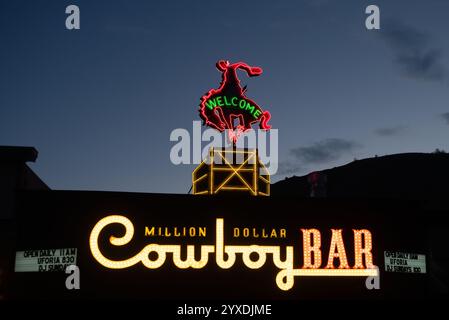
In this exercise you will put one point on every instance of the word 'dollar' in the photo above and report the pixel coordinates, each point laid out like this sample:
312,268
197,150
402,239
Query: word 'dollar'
284,278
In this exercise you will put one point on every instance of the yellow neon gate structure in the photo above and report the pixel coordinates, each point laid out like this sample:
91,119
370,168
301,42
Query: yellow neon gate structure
231,170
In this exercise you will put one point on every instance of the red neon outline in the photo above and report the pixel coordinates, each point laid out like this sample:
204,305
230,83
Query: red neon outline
221,122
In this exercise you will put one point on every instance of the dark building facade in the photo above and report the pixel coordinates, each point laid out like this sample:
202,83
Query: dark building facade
164,246
15,176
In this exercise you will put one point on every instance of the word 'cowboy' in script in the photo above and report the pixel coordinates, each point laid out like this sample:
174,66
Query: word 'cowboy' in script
284,278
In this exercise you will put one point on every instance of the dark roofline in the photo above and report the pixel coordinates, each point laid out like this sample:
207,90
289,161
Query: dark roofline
18,154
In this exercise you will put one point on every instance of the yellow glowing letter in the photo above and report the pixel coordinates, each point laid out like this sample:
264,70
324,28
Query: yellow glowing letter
361,250
337,243
308,248
221,248
129,232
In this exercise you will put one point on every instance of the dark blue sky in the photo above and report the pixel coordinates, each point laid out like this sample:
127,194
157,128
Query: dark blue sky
99,103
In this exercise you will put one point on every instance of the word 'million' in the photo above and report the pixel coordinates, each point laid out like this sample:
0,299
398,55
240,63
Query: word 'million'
201,232
253,256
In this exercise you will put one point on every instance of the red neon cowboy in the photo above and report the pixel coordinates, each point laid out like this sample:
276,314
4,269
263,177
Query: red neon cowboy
220,107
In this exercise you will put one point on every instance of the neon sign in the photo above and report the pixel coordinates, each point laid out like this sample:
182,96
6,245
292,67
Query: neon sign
226,255
220,107
249,176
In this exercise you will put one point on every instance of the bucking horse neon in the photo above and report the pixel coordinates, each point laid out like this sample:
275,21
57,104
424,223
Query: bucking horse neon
220,107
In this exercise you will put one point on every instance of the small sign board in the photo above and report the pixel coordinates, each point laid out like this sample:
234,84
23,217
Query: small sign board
45,260
404,262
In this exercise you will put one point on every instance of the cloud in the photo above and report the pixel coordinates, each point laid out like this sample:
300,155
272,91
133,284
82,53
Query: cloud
445,116
390,131
290,168
324,151
413,53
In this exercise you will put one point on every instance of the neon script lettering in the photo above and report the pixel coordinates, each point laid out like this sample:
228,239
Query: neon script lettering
284,278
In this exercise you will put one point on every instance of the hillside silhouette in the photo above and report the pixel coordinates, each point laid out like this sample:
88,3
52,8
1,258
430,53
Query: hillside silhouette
406,175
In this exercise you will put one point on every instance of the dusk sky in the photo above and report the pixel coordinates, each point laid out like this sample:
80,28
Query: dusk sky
99,103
